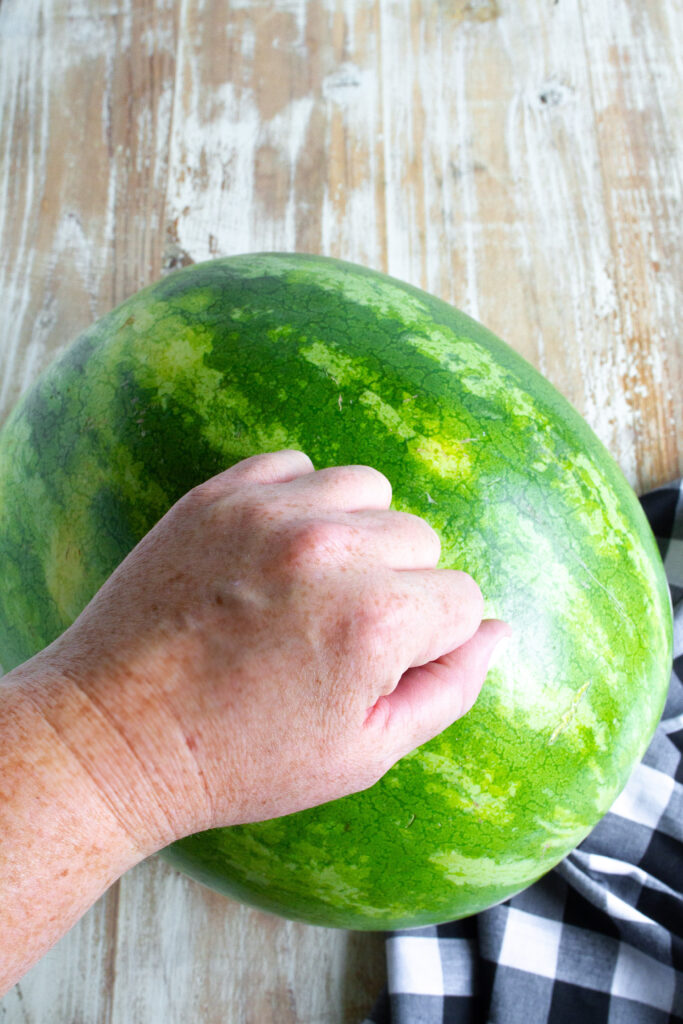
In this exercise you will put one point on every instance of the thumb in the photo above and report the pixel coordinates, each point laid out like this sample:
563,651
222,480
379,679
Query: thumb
431,697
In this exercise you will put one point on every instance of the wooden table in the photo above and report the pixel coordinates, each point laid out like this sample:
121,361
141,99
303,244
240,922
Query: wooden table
522,160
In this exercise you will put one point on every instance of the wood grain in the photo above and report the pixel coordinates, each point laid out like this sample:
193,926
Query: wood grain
522,160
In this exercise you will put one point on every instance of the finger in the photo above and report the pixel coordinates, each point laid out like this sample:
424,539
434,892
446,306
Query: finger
434,611
343,488
431,697
396,540
266,468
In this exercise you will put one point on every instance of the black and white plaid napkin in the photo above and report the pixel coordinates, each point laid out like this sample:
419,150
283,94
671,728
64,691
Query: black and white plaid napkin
599,940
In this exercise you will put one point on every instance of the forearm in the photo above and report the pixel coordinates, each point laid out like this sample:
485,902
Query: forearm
61,844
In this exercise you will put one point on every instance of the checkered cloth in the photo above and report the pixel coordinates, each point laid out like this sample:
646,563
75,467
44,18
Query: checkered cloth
598,940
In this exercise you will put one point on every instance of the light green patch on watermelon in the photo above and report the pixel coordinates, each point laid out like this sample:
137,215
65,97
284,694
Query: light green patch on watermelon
482,796
561,831
460,870
480,374
395,301
336,886
177,363
447,461
66,576
331,361
385,414
532,659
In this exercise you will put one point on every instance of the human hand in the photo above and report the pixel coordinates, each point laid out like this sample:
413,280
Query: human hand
279,639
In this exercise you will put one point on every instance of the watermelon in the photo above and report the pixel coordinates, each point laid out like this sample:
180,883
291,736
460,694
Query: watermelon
260,352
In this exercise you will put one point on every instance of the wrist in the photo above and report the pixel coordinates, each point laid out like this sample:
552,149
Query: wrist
62,846
94,742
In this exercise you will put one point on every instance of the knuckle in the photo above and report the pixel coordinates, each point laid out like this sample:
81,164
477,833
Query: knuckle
198,496
253,468
318,542
433,537
350,476
378,621
259,469
426,532
471,596
380,480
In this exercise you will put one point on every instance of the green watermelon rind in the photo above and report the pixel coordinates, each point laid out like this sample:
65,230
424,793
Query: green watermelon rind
264,351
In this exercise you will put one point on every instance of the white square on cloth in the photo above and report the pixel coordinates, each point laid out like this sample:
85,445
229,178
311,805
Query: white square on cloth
414,965
646,796
639,977
531,943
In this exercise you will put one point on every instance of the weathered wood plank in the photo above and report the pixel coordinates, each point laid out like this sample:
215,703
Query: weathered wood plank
637,90
85,103
521,160
275,130
186,953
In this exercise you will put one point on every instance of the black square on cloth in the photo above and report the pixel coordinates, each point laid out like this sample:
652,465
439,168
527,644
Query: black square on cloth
572,1004
660,508
460,1010
662,860
582,914
666,907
